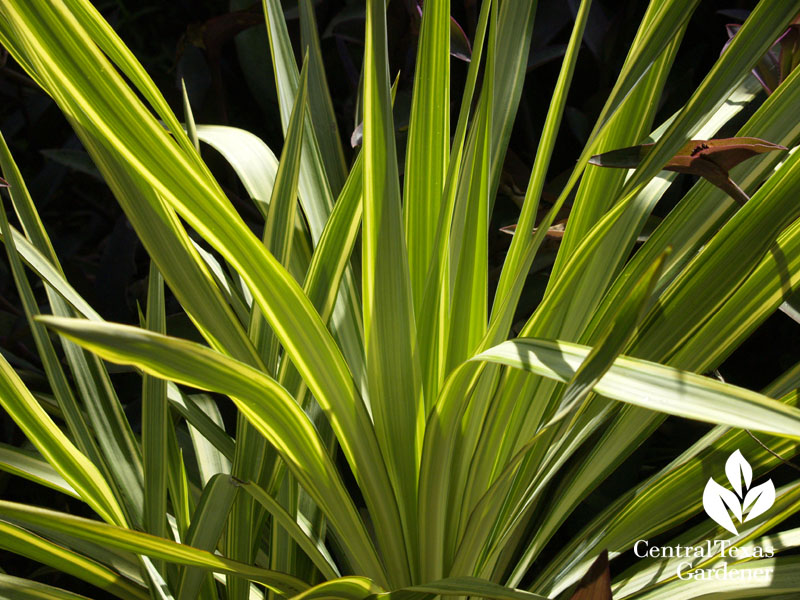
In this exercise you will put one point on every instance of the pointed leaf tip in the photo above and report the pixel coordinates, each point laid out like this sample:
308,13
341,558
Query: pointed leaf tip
460,47
509,229
555,231
622,158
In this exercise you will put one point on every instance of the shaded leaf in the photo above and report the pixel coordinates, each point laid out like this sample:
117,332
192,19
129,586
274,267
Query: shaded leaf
789,56
344,588
25,543
460,47
296,528
26,589
216,31
74,159
459,42
779,61
767,69
211,36
130,540
459,586
30,465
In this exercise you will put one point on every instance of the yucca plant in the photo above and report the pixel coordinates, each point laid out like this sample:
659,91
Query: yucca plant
466,450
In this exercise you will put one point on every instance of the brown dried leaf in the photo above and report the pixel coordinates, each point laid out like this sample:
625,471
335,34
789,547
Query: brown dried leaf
556,231
596,584
711,159
725,153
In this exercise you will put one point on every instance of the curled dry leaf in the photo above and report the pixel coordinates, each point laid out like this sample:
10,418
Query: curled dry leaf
711,159
556,231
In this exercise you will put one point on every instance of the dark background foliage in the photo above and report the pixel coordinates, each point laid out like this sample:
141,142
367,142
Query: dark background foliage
194,40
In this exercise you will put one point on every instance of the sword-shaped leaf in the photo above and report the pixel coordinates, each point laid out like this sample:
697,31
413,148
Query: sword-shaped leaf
130,540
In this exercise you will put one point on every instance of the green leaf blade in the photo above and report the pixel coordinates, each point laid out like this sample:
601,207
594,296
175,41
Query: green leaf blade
427,152
393,372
